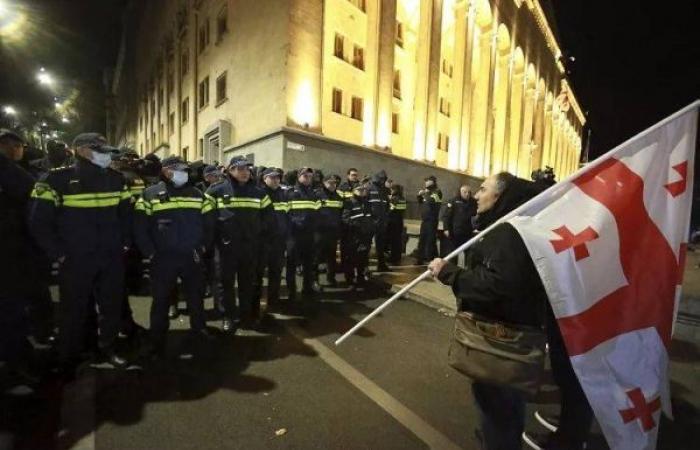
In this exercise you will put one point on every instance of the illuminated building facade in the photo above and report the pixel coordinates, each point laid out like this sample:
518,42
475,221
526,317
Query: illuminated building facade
450,87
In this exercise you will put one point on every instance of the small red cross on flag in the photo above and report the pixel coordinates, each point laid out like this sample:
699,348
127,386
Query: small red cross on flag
609,245
641,410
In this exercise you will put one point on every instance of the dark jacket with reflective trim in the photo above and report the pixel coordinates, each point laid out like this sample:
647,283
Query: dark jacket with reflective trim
330,210
279,220
15,243
169,219
81,209
378,198
345,189
397,208
430,203
357,217
303,209
457,218
241,213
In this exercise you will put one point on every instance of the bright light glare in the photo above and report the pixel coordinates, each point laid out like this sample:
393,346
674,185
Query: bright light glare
65,120
44,78
9,110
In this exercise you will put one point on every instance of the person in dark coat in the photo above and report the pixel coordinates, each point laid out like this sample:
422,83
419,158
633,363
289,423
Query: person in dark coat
329,224
360,225
457,218
378,198
499,282
395,226
430,200
15,252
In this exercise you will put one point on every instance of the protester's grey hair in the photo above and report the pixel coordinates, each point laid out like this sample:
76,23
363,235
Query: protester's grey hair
503,180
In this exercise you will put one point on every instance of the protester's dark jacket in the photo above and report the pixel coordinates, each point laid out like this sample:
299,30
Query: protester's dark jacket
279,219
303,209
330,210
357,217
457,217
430,202
79,210
499,280
171,219
15,244
241,213
378,198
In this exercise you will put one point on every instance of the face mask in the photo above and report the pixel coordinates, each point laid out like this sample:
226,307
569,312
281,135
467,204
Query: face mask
179,178
101,159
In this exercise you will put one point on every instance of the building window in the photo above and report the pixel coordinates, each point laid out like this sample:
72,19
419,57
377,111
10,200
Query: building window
397,84
356,108
395,123
360,4
445,106
141,149
338,49
358,57
160,97
185,152
221,24
337,101
153,107
203,35
447,68
399,34
204,93
185,113
201,147
171,123
140,123
221,89
443,142
184,62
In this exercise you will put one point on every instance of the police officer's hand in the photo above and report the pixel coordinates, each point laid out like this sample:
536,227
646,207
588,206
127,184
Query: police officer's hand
436,265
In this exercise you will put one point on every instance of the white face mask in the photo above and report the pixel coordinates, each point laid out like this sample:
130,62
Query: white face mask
101,159
179,178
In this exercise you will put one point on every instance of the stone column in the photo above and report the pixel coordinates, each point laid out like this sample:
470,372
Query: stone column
385,71
462,55
428,73
369,127
525,153
493,42
467,88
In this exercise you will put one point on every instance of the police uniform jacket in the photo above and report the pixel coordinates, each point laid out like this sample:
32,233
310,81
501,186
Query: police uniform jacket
279,219
457,218
397,208
81,209
430,202
330,209
357,217
241,212
303,209
171,219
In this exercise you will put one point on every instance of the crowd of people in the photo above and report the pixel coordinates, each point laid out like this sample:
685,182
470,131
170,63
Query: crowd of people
113,224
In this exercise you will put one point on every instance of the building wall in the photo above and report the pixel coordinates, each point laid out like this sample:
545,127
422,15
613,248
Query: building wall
473,86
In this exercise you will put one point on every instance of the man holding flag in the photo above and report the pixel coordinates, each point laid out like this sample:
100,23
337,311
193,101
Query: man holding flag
591,239
608,245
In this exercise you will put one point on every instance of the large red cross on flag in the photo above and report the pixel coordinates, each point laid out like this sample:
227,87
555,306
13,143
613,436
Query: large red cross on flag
609,245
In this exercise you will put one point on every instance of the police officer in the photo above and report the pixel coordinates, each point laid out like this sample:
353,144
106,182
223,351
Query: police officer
395,226
169,228
329,225
430,200
360,225
303,211
80,216
211,175
346,187
378,198
457,218
241,209
274,243
15,252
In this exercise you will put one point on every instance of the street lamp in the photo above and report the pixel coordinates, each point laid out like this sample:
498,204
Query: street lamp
9,110
44,78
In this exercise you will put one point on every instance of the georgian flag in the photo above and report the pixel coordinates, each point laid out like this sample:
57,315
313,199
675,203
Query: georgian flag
609,244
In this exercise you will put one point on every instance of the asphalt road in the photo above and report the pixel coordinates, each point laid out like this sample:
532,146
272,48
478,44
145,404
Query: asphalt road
286,386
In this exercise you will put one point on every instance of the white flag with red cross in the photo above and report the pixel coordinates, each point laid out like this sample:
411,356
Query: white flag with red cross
609,244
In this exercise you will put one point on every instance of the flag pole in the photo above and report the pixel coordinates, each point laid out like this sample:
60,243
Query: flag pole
549,192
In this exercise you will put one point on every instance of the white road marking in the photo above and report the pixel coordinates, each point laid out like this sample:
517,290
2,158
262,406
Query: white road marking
410,420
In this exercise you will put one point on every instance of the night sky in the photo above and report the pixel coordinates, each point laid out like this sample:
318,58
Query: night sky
636,61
